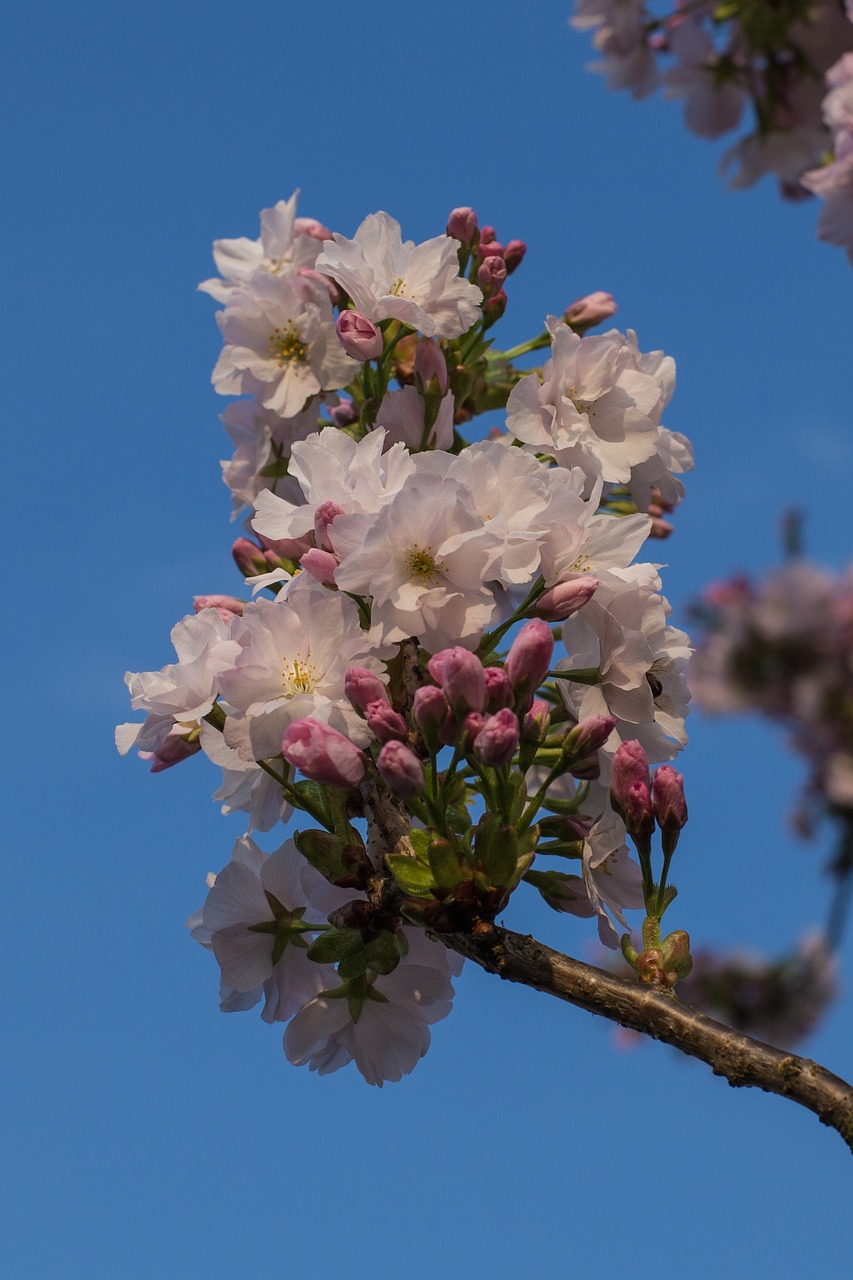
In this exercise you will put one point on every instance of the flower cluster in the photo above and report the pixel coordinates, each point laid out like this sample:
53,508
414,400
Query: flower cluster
451,649
781,647
771,62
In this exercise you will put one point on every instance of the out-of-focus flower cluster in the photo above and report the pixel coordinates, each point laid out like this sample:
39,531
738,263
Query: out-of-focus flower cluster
783,646
784,67
780,1001
456,642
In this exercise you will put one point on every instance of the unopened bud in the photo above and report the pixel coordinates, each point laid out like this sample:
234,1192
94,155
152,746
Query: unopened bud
487,235
529,657
430,363
590,310
385,723
462,224
490,275
460,674
362,687
630,765
670,806
514,251
493,308
359,336
499,692
322,754
180,743
582,744
560,602
400,770
345,413
311,227
325,515
430,711
537,721
497,741
228,606
321,565
251,559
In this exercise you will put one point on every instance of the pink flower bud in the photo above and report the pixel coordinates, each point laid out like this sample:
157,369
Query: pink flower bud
384,722
529,657
494,307
487,235
277,549
360,337
430,363
324,516
499,692
581,746
174,748
491,275
514,251
400,770
497,741
229,606
466,733
637,813
489,250
564,599
322,754
630,788
462,224
537,721
345,413
668,796
320,564
311,227
460,675
362,687
430,712
590,310
251,559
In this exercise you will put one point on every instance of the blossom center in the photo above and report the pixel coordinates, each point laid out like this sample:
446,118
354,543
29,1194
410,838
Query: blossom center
397,289
298,676
421,566
286,346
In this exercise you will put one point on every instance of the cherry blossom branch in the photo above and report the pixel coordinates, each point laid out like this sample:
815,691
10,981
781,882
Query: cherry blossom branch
743,1061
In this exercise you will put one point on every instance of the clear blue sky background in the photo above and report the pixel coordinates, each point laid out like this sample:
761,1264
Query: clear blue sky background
146,1134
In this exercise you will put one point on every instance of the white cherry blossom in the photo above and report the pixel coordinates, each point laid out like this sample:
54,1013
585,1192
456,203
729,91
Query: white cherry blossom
391,278
287,245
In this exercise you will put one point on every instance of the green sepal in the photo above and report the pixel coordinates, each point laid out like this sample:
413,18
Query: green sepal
384,952
342,862
335,945
331,802
412,876
517,797
501,854
458,818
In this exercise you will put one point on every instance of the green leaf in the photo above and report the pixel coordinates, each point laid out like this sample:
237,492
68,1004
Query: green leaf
420,841
445,864
412,876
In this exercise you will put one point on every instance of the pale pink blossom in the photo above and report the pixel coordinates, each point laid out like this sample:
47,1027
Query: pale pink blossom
389,278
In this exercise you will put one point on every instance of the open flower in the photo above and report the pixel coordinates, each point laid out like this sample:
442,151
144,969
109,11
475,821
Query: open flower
388,277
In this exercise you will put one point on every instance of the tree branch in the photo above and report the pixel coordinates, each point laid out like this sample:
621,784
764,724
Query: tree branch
743,1061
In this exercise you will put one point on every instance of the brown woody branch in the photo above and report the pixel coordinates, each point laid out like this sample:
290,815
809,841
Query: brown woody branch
743,1061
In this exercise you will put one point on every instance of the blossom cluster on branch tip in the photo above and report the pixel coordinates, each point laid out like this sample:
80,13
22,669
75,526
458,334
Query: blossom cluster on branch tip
449,641
787,66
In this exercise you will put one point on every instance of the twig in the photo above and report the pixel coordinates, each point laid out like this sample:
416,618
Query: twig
743,1061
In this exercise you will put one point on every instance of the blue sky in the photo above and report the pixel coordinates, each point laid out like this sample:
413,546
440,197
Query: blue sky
148,1135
